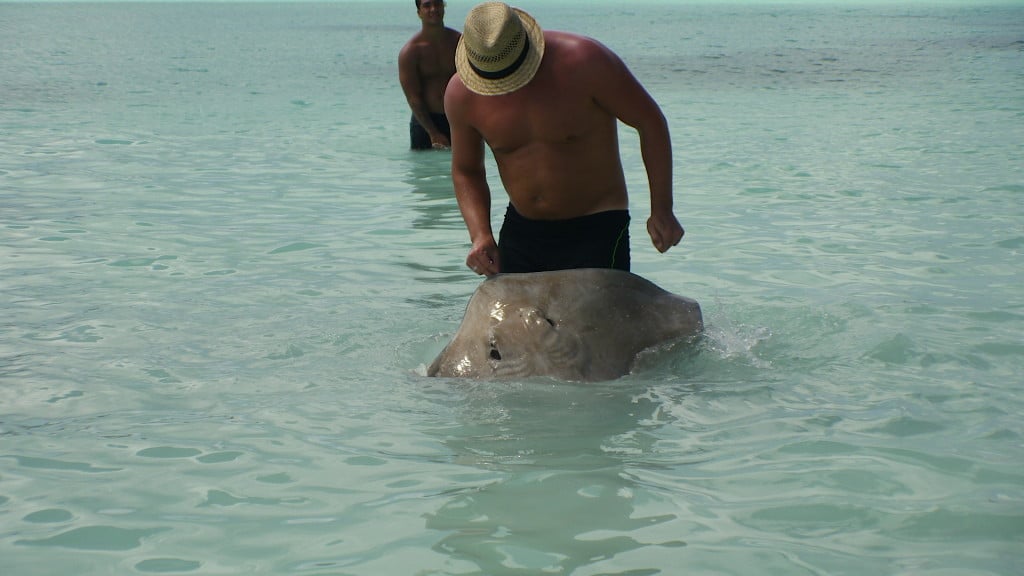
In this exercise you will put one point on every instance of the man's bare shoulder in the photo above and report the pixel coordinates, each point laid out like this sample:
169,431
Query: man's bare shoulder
455,95
575,46
421,45
411,50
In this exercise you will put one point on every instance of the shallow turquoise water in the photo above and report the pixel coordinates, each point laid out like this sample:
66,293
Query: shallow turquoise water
223,276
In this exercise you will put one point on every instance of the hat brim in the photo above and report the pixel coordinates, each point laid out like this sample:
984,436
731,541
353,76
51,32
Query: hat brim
514,81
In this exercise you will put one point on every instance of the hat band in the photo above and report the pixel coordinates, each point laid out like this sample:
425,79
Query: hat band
508,70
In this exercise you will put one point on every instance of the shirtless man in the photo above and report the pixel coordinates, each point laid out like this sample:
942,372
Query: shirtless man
425,64
547,104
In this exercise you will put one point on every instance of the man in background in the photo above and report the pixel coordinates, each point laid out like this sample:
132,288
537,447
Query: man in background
547,104
425,64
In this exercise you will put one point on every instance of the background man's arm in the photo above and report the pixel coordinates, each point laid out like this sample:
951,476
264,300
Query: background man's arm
412,86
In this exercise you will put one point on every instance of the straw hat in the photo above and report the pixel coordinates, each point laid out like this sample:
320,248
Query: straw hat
500,49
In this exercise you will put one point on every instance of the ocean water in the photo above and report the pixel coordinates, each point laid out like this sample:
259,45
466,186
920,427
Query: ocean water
223,274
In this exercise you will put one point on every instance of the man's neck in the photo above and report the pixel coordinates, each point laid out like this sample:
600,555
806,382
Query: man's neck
433,30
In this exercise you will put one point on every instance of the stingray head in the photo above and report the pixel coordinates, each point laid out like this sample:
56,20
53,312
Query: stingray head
524,340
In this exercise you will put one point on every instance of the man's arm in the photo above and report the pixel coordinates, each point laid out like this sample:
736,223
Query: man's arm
619,92
469,178
412,86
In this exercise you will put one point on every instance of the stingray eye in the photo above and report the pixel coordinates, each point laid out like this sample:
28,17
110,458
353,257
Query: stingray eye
551,322
495,355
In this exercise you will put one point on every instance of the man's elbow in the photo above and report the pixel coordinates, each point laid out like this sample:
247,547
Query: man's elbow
654,125
415,100
464,176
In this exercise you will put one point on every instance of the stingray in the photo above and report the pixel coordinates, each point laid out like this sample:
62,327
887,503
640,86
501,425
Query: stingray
578,325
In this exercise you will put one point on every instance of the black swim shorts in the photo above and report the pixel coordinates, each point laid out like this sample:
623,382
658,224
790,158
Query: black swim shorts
418,137
598,240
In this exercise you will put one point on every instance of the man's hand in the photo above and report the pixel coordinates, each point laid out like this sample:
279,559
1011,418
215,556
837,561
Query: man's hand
440,142
665,231
483,258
